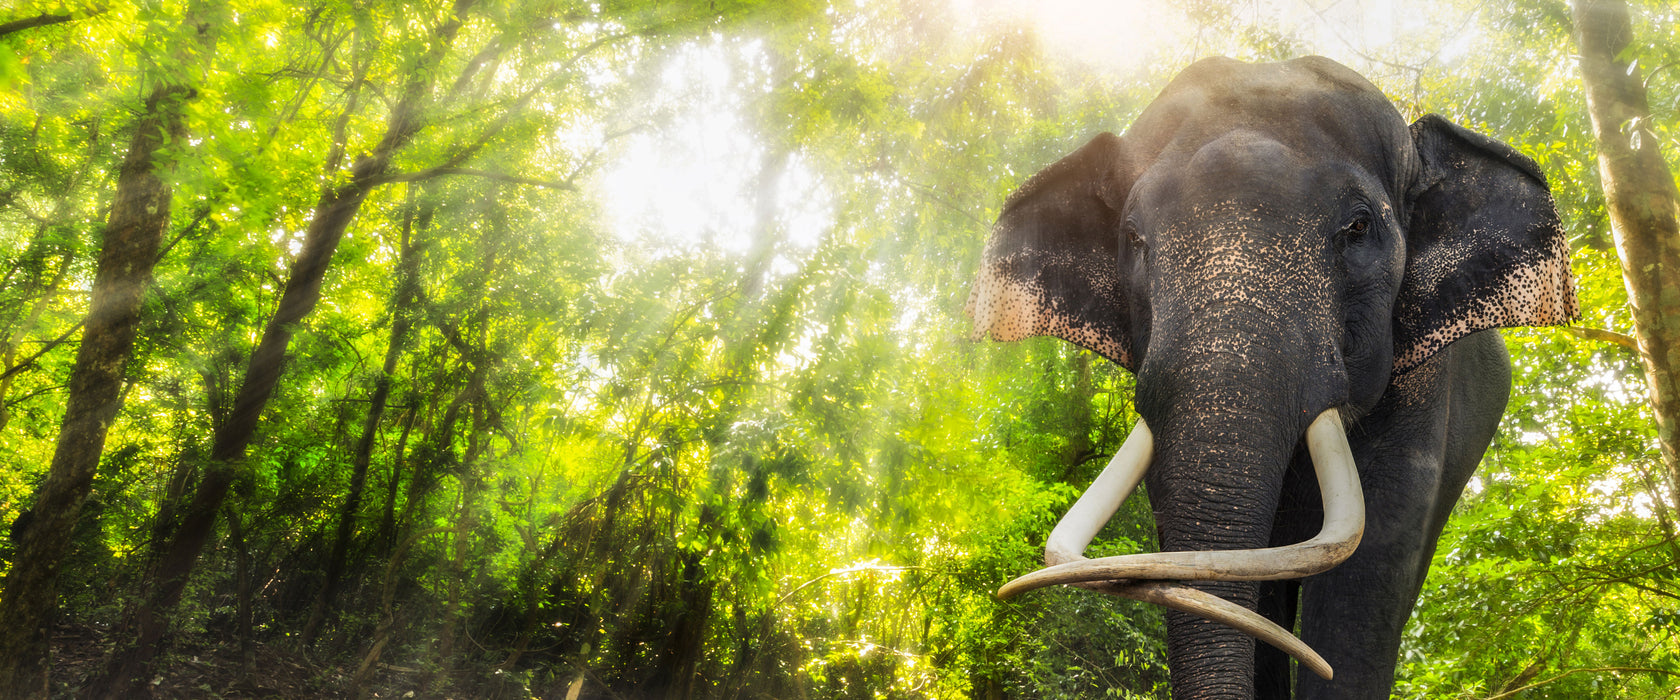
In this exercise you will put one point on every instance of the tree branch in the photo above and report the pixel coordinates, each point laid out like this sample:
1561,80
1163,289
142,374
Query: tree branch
856,569
936,197
198,218
519,103
41,20
55,342
491,52
1599,334
430,173
1573,671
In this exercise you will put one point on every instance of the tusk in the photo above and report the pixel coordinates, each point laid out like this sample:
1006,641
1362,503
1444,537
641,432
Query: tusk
1344,523
1099,502
1186,599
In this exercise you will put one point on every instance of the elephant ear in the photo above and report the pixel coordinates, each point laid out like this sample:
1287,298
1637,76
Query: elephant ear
1484,245
1052,266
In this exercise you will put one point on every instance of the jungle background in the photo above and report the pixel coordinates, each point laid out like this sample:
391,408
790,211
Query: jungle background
614,349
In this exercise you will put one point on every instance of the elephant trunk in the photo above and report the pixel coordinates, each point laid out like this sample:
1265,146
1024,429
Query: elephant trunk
1214,485
1229,401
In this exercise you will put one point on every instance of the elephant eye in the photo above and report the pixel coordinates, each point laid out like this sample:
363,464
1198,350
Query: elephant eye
1132,235
1357,228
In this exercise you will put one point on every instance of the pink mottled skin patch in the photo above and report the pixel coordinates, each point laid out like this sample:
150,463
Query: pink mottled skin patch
1010,309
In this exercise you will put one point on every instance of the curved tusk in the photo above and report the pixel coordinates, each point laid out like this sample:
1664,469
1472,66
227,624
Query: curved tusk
1344,524
1099,502
1206,605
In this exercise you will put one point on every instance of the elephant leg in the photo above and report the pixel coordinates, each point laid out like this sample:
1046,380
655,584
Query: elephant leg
1272,667
1299,515
1416,451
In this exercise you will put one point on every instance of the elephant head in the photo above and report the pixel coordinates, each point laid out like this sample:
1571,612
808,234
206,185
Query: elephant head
1271,250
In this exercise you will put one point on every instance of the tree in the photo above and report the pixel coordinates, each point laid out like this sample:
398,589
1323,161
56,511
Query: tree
404,296
128,251
654,380
338,206
1644,209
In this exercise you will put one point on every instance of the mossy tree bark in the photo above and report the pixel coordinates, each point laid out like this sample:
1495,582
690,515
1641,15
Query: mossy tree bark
128,251
336,209
1640,195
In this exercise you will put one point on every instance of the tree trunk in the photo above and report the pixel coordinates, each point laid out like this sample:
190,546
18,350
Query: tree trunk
388,618
336,209
533,591
466,520
127,254
243,584
1079,419
402,301
387,537
1639,193
436,449
677,667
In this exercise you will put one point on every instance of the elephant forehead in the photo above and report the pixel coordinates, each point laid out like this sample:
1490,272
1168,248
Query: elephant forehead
1248,173
1251,155
1314,106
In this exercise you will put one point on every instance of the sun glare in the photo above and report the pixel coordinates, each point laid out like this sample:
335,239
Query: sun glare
693,177
1125,36
1117,35
689,174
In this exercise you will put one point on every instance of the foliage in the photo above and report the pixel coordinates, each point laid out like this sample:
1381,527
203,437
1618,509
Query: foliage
687,405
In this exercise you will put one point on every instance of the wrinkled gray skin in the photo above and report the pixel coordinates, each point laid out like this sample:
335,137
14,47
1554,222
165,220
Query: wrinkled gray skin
1267,242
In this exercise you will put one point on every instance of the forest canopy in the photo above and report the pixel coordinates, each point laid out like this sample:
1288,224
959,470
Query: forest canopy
615,349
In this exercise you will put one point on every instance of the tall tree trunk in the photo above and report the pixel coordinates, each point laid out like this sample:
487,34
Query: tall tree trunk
533,591
387,536
676,670
127,254
334,212
466,520
403,299
436,449
1644,209
1079,419
242,584
388,618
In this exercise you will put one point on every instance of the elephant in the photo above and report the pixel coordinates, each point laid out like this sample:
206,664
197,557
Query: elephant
1305,289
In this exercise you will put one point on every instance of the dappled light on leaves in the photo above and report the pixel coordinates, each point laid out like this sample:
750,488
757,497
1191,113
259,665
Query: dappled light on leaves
638,366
